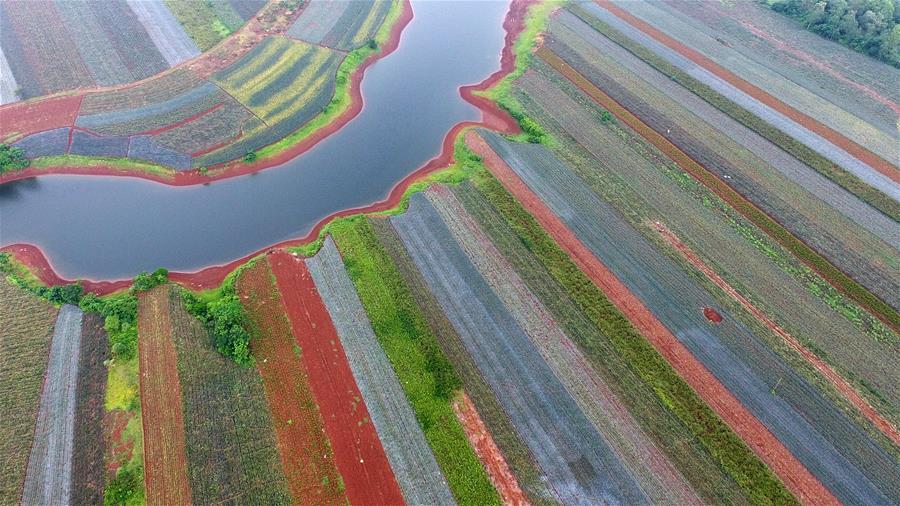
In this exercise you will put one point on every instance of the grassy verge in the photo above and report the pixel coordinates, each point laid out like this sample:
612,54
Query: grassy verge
819,163
428,380
123,164
754,478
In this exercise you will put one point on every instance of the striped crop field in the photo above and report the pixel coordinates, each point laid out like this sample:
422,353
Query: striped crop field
230,443
358,453
26,327
413,464
207,23
165,462
49,476
344,25
53,46
853,466
307,457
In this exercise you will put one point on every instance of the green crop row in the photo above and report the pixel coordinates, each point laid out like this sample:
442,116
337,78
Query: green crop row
819,163
427,378
754,478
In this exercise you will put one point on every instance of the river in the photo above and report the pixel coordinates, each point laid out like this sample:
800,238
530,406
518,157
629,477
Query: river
102,227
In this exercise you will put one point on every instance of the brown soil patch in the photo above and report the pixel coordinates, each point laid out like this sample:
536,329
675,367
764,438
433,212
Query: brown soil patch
165,462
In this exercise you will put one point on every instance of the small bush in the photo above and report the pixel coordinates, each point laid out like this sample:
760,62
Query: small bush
226,321
12,158
250,157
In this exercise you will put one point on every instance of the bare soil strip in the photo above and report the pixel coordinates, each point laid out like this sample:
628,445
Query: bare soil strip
165,462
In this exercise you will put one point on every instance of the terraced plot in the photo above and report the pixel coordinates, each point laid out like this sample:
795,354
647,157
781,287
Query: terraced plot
26,328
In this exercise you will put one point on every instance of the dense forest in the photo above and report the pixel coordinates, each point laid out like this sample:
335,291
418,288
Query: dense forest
868,26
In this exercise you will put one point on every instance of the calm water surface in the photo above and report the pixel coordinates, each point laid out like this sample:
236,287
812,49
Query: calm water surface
109,228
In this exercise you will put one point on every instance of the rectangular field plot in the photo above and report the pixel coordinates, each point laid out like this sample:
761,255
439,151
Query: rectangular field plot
358,453
26,328
49,476
411,459
307,458
229,440
165,467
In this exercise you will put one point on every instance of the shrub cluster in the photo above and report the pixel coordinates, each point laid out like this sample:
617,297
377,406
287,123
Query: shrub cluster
12,158
226,321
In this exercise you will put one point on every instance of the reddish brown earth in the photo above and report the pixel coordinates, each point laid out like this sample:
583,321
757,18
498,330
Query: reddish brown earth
306,455
165,461
24,118
210,277
795,476
712,315
849,393
859,152
115,452
358,453
491,458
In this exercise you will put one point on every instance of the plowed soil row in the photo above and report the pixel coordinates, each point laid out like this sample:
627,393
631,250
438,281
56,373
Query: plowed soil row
836,138
836,379
801,250
488,452
795,476
165,463
358,452
22,119
306,453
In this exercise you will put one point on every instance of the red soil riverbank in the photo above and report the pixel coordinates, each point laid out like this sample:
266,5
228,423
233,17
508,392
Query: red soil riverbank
210,277
806,487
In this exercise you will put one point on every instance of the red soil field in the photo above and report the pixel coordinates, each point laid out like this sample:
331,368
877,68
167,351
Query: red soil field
712,315
115,452
165,462
834,137
795,476
212,276
488,453
836,379
305,451
24,118
358,452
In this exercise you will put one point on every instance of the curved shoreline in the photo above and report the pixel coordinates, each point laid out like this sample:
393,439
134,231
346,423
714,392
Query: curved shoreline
236,168
492,117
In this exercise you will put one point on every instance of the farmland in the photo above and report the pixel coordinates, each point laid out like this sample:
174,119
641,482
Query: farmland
658,264
165,467
26,327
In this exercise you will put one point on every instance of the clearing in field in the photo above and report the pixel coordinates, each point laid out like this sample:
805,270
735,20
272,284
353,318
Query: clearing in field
165,471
